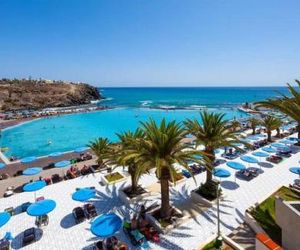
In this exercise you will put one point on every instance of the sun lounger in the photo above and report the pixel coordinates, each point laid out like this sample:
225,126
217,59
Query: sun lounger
246,174
56,178
10,210
4,244
8,193
90,210
47,180
99,245
295,186
49,166
28,236
274,159
78,214
24,206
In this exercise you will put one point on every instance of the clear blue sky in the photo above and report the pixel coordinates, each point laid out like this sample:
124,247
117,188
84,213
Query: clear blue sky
152,42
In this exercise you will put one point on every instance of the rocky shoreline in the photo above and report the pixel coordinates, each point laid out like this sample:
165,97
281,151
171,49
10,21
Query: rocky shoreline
19,95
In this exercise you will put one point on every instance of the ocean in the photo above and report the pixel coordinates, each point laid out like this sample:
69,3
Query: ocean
129,106
186,97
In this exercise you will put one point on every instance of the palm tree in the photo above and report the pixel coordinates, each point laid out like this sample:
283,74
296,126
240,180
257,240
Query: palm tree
270,123
161,148
253,124
289,106
122,156
213,133
102,149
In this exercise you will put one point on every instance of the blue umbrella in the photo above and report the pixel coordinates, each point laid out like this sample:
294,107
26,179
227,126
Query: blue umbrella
221,172
235,165
261,135
55,154
286,141
284,149
34,186
62,164
269,149
2,165
28,159
32,171
40,208
249,159
81,149
295,170
4,218
277,145
84,194
260,154
238,144
106,225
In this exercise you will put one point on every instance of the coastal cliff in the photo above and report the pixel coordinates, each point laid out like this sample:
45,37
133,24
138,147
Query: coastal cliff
20,94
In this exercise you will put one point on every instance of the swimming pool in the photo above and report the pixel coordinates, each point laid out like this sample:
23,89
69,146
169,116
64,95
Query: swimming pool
65,133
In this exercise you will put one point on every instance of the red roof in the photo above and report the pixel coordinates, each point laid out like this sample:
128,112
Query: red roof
270,244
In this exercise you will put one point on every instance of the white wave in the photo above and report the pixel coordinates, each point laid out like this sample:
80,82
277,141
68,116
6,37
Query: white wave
146,102
167,106
106,99
197,107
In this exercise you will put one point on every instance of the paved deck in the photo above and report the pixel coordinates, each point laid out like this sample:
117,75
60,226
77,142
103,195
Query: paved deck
62,233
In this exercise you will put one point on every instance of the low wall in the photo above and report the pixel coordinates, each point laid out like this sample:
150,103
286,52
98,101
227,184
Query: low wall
253,223
127,201
106,182
165,230
198,198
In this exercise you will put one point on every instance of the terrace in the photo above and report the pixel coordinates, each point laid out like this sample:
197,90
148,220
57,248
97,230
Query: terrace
199,224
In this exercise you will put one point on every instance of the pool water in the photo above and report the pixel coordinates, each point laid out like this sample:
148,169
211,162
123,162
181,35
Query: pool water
65,133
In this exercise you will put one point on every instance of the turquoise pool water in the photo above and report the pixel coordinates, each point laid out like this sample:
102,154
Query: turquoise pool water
71,131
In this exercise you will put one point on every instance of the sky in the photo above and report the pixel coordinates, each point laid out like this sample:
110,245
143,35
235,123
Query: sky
152,42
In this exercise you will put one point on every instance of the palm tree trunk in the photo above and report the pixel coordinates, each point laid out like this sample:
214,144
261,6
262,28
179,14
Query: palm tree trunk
278,132
253,130
209,165
165,196
298,130
269,136
133,184
208,176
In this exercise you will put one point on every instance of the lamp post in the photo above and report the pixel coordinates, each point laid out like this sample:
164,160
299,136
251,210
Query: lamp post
219,236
